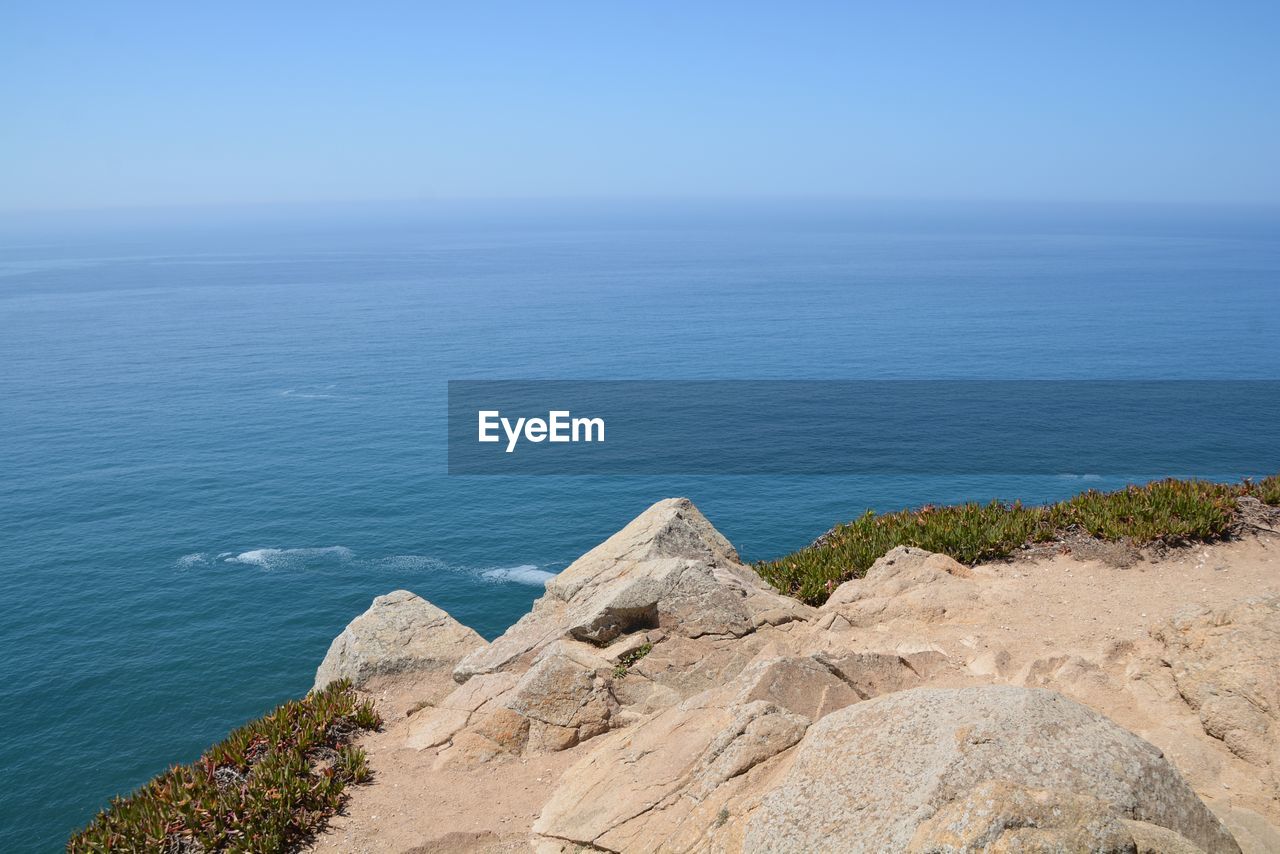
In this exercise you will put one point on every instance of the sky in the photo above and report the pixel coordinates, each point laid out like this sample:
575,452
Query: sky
128,104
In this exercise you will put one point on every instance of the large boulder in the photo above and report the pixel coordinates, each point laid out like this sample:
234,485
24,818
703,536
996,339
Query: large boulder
975,769
401,632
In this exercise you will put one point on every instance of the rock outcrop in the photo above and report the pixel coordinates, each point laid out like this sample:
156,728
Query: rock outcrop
399,633
928,770
694,708
667,583
1226,665
668,569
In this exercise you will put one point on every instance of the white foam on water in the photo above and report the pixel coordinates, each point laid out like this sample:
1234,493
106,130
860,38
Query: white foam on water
269,558
278,557
524,574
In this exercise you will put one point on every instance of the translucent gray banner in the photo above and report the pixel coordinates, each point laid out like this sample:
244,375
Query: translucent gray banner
937,427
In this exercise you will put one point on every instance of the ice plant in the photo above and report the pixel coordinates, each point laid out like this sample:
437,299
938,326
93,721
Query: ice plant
264,788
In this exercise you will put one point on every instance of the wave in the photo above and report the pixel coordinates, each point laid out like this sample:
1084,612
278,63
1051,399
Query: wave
276,557
524,574
273,558
311,392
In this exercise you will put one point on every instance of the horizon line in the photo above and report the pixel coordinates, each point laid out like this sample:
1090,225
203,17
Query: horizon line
423,202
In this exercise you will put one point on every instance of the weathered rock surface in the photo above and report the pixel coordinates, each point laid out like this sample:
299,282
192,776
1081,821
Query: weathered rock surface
975,769
660,775
399,633
667,774
668,568
906,582
1226,665
926,770
657,613
1001,816
432,727
567,695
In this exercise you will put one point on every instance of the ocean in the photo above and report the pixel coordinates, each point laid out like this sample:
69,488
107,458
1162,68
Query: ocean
223,432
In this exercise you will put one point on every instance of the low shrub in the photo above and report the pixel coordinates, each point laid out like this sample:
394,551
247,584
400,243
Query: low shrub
625,663
267,786
1266,490
1167,511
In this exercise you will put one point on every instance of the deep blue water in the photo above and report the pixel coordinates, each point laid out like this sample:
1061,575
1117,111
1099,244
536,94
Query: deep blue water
223,437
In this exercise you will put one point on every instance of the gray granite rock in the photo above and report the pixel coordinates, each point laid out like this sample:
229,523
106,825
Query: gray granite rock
400,632
870,776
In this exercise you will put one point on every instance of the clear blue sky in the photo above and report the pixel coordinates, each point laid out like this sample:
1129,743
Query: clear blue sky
126,104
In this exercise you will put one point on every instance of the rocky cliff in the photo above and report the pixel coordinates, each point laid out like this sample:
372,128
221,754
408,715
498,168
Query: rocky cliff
661,697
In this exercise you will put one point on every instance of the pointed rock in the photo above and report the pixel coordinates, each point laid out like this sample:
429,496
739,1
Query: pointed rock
667,568
671,528
401,632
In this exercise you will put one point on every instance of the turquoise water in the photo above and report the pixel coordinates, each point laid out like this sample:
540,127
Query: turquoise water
223,438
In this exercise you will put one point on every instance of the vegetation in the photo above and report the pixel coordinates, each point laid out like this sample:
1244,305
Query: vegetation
1266,490
628,659
268,786
1171,512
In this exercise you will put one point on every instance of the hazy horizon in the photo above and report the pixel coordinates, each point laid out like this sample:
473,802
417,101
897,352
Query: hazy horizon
443,203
